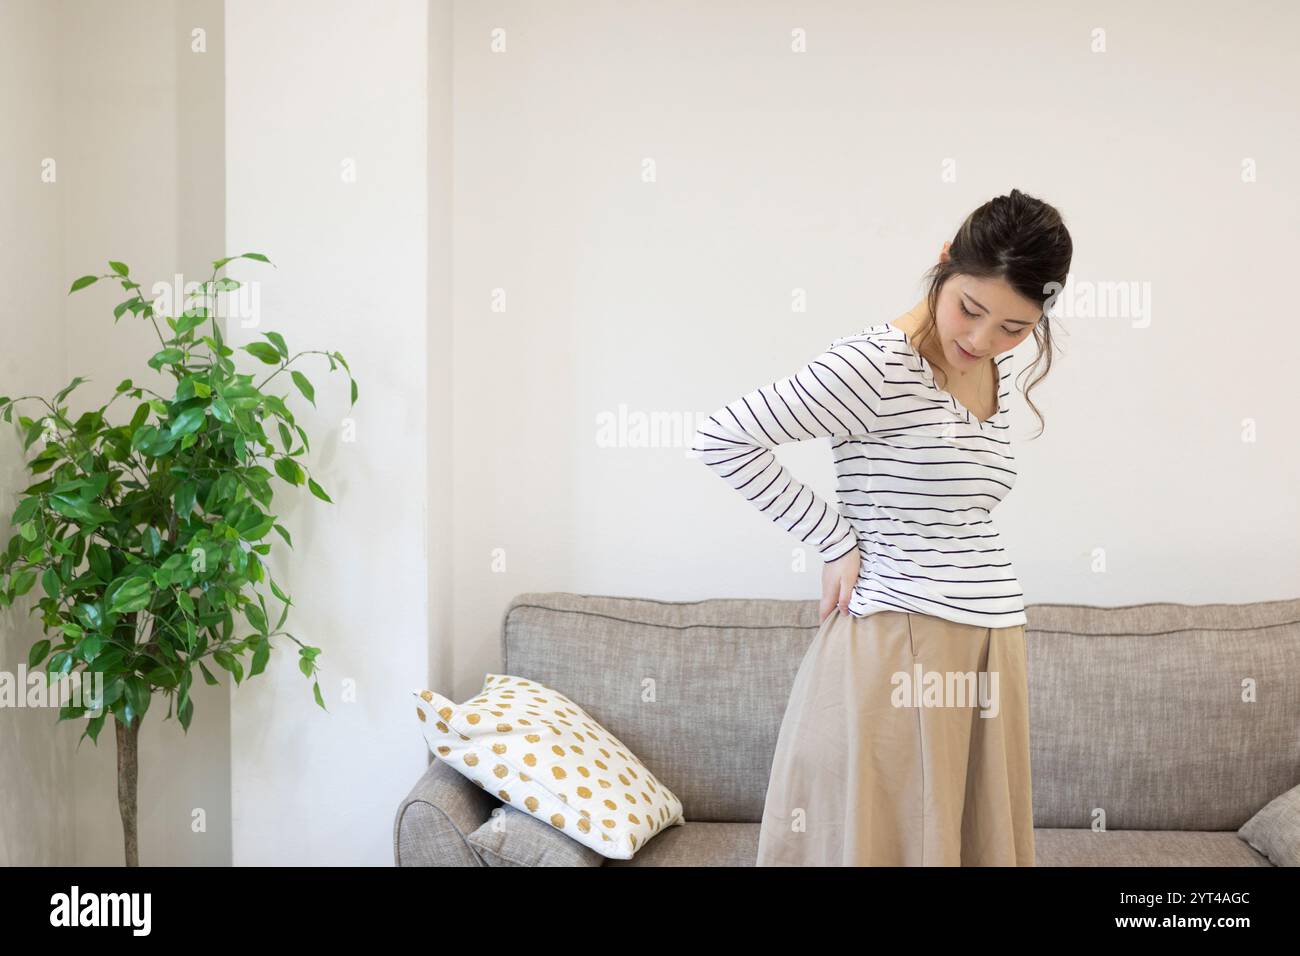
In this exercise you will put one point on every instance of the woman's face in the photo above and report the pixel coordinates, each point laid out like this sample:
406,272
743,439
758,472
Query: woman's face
980,318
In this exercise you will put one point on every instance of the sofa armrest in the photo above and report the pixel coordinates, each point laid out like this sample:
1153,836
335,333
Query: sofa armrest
434,819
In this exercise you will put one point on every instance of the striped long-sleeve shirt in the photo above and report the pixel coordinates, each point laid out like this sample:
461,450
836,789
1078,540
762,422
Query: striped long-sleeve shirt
918,476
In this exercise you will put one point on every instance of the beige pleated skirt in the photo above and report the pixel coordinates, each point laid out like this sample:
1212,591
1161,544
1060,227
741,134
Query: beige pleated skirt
905,742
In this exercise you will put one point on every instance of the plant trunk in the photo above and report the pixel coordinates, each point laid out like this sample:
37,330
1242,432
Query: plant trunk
128,740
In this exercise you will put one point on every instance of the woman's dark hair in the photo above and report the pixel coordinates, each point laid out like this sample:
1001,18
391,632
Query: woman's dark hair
1018,238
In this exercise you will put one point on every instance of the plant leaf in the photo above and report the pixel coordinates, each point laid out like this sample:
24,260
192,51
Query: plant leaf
264,351
184,497
189,420
304,386
137,694
261,652
37,654
318,491
289,470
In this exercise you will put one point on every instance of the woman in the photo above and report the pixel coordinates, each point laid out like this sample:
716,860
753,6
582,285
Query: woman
905,741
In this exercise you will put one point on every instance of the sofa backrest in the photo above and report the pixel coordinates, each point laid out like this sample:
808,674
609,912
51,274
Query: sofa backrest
1143,712
1165,716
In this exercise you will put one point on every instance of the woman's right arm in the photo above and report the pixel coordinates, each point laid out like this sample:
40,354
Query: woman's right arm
837,394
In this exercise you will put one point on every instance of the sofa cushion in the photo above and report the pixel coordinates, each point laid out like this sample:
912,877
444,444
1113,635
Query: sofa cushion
1086,847
513,838
1275,830
1162,716
736,844
699,844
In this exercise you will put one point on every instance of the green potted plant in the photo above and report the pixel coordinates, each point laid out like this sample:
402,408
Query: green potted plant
147,537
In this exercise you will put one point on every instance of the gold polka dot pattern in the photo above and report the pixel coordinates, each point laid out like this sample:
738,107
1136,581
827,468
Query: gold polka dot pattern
580,778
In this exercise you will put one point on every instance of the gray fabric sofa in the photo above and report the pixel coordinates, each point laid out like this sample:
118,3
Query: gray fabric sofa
1144,714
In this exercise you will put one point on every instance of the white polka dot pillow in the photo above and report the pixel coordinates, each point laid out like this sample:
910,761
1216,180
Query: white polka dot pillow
544,755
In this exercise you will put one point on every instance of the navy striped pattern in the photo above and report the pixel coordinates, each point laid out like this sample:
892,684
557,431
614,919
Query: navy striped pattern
918,476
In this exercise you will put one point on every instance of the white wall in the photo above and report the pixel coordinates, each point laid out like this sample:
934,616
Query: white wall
37,763
440,367
821,172
305,95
